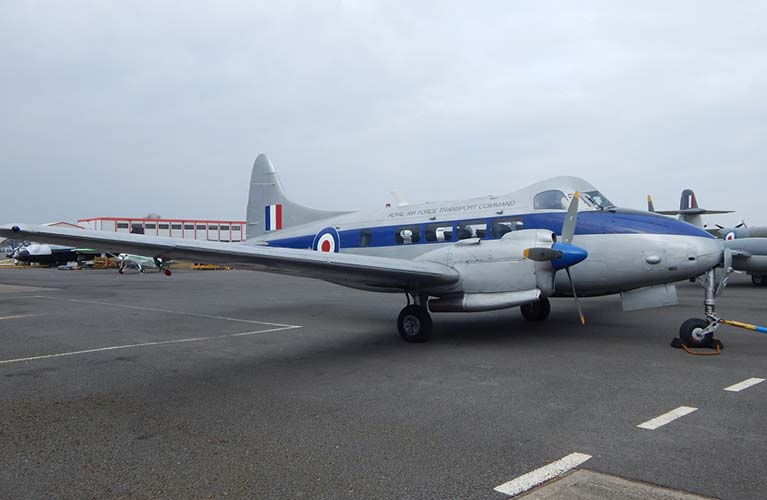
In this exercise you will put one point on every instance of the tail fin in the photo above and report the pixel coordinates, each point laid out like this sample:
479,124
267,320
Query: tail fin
688,200
268,207
650,204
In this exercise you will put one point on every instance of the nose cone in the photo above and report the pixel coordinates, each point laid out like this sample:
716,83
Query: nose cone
571,255
708,252
22,255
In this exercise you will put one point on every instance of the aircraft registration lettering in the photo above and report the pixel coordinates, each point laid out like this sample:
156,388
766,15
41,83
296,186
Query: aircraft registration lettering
453,209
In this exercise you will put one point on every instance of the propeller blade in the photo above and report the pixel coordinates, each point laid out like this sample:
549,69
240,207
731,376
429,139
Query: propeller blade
727,263
721,226
575,296
541,254
568,228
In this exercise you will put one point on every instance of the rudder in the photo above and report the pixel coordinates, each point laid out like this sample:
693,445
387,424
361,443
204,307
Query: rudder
268,207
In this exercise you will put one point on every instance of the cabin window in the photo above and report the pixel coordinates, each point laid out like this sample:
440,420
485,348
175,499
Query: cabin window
201,227
499,227
553,199
470,229
366,238
213,227
188,227
176,227
438,232
151,225
122,225
163,226
225,228
235,228
407,235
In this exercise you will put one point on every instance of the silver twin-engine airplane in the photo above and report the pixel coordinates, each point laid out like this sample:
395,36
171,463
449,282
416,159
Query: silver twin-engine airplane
478,254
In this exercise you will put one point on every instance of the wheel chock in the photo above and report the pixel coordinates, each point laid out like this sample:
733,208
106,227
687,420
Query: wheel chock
715,344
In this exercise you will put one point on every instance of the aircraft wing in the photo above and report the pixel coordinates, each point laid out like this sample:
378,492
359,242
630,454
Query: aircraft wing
360,271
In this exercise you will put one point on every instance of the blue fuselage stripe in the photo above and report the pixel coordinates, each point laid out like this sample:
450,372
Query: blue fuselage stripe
588,223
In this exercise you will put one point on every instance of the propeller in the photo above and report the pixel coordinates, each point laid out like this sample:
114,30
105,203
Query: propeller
727,264
563,255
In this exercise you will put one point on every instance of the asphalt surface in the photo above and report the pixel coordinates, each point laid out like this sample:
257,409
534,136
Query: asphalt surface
319,398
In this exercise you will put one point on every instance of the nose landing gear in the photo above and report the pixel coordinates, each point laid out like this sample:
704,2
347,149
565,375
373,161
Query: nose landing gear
699,332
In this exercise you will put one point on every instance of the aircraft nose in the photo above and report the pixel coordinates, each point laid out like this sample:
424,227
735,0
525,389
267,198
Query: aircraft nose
708,253
22,255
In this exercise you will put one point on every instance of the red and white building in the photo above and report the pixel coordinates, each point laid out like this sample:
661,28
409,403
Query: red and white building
191,229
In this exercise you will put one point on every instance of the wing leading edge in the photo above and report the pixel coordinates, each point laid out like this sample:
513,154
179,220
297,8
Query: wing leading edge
358,271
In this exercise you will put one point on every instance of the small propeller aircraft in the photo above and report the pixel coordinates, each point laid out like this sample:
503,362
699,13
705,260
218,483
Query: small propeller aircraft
139,263
478,254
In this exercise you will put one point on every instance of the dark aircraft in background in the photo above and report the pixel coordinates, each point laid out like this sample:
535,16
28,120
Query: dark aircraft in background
748,244
52,255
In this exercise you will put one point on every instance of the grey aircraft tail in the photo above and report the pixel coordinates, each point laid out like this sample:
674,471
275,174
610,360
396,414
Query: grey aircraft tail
268,207
688,209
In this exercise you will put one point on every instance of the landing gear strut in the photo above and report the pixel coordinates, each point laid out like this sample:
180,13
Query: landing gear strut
699,332
536,311
414,321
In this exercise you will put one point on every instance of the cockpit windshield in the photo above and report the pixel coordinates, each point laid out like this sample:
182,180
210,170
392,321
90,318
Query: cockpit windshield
597,199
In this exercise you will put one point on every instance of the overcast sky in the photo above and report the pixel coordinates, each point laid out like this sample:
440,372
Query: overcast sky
125,108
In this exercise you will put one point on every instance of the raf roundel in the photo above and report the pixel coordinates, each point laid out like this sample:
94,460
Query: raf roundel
327,241
730,236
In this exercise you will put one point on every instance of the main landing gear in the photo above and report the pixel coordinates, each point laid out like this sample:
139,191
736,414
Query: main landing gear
699,332
414,321
536,311
759,280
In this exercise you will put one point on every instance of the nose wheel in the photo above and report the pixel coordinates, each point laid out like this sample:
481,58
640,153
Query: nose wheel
414,323
695,332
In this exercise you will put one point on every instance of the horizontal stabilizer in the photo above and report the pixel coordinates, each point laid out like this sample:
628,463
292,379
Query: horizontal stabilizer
693,211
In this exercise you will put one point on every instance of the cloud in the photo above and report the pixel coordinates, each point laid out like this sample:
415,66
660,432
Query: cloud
122,109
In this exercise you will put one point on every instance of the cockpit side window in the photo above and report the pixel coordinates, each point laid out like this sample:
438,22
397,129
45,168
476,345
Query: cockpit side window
553,199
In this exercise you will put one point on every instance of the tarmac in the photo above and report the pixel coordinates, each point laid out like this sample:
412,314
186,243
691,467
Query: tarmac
235,384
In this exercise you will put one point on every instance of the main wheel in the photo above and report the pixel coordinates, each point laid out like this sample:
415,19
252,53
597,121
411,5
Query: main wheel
414,324
759,280
691,333
536,311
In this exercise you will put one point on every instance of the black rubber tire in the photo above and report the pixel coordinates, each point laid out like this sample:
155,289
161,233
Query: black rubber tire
759,280
414,324
536,311
689,333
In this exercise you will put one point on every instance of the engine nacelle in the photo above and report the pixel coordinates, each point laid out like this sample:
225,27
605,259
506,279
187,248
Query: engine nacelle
477,302
497,267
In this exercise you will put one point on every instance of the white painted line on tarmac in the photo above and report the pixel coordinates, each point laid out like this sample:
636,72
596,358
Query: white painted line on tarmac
144,344
662,420
19,316
167,311
538,476
737,387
